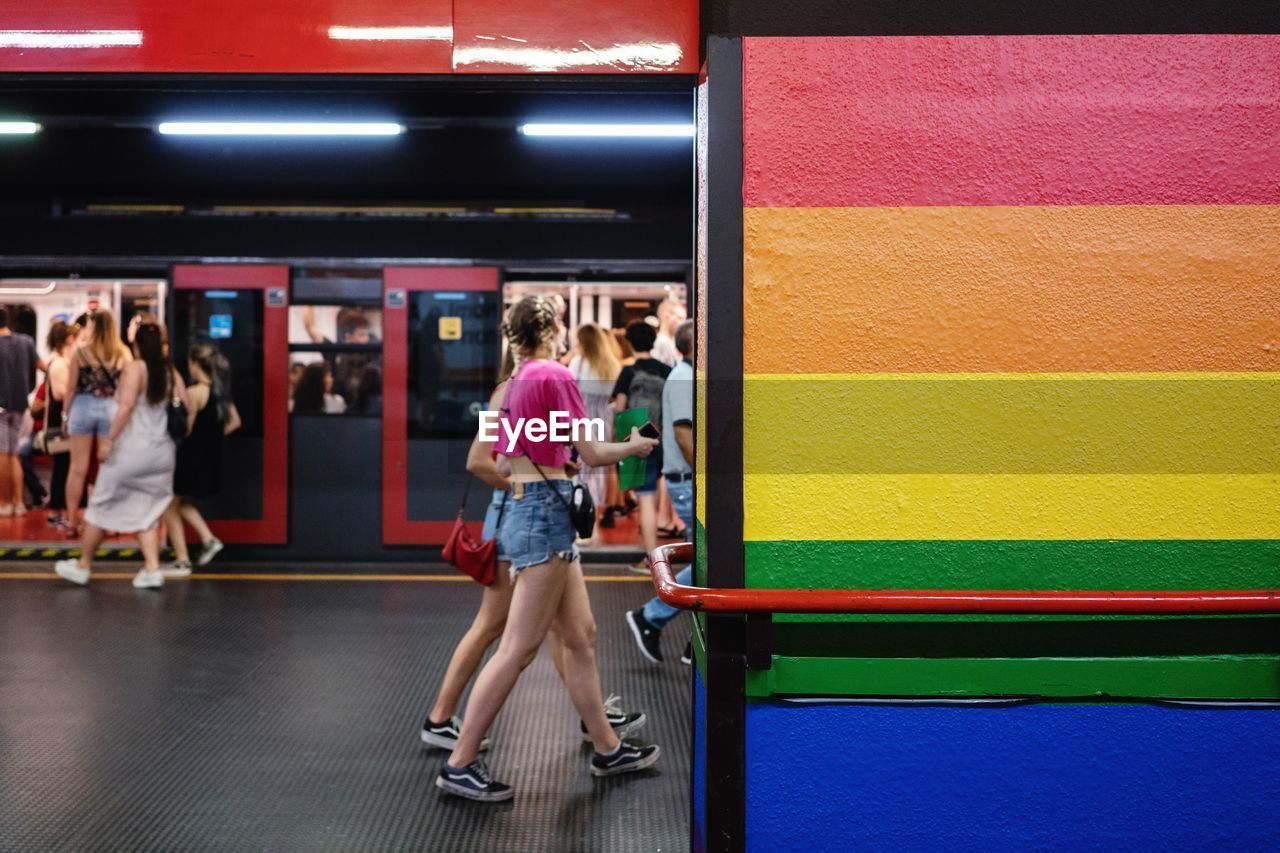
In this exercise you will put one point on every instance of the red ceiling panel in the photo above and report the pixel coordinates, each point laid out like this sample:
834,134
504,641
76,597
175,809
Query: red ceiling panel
575,36
227,36
349,36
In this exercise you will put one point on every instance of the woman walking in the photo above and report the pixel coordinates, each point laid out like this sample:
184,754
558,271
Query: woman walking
442,725
91,400
135,480
211,415
537,536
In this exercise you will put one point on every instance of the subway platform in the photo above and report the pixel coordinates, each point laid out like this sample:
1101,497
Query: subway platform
257,710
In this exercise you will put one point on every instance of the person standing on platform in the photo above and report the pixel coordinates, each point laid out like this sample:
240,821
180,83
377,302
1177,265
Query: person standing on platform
211,416
639,385
91,399
646,624
17,380
60,341
135,482
537,535
596,369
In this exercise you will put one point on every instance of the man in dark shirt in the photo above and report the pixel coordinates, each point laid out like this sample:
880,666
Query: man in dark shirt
17,379
638,385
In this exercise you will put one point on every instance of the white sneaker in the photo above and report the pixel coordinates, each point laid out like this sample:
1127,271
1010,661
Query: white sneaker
6,511
19,509
177,569
209,552
70,570
148,579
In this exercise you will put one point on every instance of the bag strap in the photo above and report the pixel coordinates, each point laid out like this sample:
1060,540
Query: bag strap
543,474
462,507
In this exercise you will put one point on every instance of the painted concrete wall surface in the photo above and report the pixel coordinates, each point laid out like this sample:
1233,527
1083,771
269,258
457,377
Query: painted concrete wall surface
1012,311
1040,777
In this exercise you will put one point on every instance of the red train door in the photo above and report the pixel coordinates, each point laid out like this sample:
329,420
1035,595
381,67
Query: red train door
440,362
242,310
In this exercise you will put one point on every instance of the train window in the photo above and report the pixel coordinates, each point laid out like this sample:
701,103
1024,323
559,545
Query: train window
453,360
335,360
334,324
328,382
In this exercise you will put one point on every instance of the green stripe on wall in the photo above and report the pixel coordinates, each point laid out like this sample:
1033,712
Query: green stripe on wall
1040,564
1218,677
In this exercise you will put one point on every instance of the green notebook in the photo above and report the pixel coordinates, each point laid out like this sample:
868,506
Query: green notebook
631,469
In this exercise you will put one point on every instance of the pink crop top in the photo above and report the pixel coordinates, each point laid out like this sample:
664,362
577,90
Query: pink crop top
536,390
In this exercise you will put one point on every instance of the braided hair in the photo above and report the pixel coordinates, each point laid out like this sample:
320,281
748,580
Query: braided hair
531,326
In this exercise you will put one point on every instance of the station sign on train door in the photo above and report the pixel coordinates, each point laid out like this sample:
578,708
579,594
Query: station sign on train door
440,354
242,311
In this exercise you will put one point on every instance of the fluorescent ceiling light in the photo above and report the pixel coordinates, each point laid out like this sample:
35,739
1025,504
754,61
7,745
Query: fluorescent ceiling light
70,38
391,33
613,130
278,128
19,127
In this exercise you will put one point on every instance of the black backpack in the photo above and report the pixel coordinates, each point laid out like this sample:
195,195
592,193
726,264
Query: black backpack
646,392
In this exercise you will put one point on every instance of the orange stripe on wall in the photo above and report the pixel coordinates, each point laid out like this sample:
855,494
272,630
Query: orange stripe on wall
1033,289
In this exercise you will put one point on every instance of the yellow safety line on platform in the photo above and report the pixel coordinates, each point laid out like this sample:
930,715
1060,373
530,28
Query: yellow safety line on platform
116,576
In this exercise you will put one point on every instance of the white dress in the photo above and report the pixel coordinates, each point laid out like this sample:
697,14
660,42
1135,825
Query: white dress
595,399
135,484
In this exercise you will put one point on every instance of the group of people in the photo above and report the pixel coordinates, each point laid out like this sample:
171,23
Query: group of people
628,369
122,406
539,590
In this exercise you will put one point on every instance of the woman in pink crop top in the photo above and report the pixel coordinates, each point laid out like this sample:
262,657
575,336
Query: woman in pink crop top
537,536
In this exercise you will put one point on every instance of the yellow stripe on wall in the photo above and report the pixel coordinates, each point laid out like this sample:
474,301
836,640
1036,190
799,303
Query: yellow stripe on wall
1011,506
1103,423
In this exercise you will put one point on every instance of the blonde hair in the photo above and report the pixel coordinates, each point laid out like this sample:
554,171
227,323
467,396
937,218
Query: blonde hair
594,345
531,326
104,340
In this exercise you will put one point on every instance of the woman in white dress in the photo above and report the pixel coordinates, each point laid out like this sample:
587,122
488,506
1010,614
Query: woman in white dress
135,481
595,368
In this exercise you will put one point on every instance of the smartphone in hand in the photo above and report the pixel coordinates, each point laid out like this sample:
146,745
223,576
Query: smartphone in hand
649,430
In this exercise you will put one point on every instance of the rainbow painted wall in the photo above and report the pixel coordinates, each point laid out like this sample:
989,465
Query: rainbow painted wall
1012,320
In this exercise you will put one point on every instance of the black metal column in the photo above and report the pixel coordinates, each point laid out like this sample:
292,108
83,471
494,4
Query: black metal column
726,653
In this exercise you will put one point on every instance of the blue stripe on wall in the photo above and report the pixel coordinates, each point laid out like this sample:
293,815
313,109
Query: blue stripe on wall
841,777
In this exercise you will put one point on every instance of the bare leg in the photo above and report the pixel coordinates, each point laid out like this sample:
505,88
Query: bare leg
193,517
577,629
89,543
15,477
177,533
149,542
485,628
6,478
648,521
81,446
533,607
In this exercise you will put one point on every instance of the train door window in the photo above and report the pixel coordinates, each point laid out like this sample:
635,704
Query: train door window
453,360
335,342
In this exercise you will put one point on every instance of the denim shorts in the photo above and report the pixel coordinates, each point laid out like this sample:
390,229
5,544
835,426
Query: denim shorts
90,415
490,529
652,471
10,431
537,526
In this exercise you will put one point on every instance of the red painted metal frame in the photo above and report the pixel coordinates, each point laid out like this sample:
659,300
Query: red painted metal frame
397,527
273,527
289,37
1077,602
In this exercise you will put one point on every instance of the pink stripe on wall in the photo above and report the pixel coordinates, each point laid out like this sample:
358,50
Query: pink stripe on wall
1012,120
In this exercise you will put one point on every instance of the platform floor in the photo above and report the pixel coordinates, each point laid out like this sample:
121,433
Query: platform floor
283,714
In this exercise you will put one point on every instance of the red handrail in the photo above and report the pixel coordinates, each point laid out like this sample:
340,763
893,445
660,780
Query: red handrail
1080,602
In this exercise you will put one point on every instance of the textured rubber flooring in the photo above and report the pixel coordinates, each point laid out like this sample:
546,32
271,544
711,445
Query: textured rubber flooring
263,716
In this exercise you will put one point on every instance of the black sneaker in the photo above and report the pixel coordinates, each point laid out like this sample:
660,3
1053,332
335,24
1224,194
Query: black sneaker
628,757
623,723
445,735
686,656
647,636
473,782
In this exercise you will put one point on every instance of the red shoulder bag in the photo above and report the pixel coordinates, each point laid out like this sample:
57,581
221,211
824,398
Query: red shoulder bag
472,556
